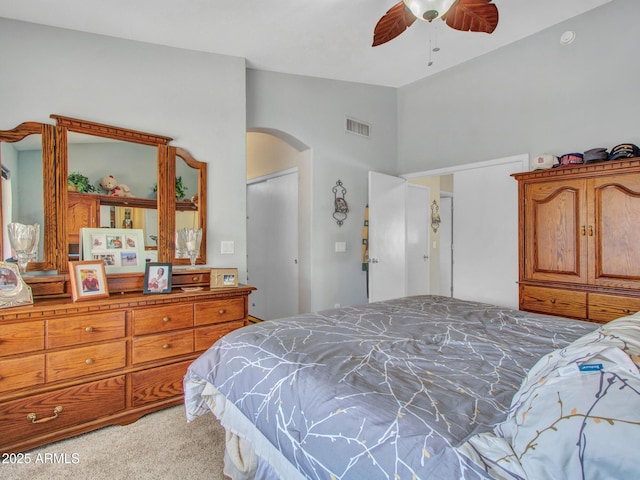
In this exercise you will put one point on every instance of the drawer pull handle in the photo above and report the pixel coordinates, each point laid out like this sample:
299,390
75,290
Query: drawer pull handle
166,319
626,310
34,418
553,300
166,345
591,230
583,230
88,329
221,311
195,279
89,361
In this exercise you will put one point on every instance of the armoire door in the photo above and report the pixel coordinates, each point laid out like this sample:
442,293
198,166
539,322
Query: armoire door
555,241
614,231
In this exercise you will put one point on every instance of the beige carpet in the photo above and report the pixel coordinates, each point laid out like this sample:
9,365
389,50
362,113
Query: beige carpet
159,446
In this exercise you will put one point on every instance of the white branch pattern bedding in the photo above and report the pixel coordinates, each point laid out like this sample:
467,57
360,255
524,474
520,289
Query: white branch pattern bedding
382,391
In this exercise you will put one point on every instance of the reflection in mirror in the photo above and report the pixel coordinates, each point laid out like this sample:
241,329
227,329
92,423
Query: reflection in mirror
27,156
22,193
191,175
132,167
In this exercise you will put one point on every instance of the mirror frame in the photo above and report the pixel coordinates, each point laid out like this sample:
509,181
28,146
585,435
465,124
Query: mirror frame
166,195
51,259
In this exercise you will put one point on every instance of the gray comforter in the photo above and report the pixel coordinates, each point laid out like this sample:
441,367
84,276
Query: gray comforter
384,390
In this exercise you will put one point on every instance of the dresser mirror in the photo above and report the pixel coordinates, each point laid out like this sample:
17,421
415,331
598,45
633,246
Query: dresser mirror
159,179
191,178
28,193
167,188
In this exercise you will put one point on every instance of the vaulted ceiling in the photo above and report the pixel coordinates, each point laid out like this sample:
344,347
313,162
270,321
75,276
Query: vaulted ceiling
321,38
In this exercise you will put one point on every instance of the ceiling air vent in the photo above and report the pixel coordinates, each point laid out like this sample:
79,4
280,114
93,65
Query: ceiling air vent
358,128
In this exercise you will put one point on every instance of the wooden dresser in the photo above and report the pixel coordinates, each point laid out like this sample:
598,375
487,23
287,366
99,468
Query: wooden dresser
68,368
579,240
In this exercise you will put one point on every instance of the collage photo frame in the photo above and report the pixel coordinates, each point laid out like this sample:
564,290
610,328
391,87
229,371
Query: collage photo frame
121,250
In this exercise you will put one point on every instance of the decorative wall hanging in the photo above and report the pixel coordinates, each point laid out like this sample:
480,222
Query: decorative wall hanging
340,204
435,216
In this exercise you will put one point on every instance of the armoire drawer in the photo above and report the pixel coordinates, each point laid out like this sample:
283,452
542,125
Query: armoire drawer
563,303
21,337
163,345
207,336
159,383
78,362
40,414
603,308
62,332
217,311
23,372
162,319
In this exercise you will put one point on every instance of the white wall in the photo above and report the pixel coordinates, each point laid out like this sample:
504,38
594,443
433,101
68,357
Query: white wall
533,96
313,111
194,97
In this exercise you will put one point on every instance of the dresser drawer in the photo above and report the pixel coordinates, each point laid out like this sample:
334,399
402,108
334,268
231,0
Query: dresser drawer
563,303
164,345
21,372
82,361
162,319
21,337
73,405
63,332
603,308
217,311
158,383
207,336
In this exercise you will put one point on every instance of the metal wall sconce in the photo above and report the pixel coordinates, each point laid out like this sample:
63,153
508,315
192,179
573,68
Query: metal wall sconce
435,216
340,204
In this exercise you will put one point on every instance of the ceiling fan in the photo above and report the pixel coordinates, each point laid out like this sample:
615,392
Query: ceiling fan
465,15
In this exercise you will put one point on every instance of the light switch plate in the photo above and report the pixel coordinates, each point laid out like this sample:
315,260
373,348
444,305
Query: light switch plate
341,247
227,247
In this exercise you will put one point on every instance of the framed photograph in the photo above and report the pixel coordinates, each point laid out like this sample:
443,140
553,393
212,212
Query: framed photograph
13,289
121,250
224,277
157,278
88,280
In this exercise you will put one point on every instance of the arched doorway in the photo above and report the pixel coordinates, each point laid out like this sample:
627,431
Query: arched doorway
278,232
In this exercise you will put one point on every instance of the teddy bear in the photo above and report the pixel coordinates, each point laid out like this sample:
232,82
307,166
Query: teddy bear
110,184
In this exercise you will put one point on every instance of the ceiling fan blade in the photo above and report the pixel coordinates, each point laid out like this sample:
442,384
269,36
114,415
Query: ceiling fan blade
473,16
392,24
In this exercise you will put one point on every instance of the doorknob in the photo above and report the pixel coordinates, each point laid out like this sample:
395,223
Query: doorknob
373,260
425,257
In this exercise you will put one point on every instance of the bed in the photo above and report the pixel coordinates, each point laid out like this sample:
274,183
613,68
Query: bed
424,387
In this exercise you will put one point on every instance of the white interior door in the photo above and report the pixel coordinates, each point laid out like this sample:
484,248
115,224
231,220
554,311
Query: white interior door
446,245
418,266
485,234
272,246
387,237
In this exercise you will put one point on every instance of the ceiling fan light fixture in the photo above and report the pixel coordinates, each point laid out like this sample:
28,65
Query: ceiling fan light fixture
429,10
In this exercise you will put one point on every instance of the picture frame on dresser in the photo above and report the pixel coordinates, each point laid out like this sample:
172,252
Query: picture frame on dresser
224,277
88,280
121,249
13,289
157,278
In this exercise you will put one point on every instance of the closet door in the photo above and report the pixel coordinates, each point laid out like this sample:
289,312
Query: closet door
485,232
272,246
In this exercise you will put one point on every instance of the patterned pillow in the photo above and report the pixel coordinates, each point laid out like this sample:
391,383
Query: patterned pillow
577,413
